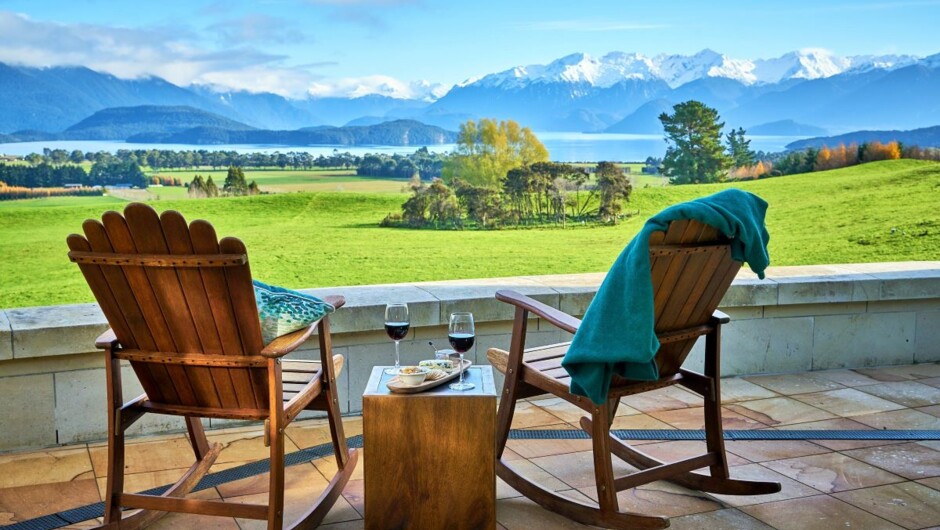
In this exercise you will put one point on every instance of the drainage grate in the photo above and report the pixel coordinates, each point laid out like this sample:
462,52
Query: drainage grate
91,511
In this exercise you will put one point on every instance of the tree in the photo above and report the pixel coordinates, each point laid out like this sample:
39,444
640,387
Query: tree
487,150
235,182
739,149
614,188
197,188
695,154
211,189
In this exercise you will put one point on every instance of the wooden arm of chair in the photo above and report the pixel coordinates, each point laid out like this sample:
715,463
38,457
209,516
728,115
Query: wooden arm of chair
106,340
554,316
285,344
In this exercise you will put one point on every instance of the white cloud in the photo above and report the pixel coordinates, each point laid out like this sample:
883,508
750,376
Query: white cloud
377,84
256,27
174,54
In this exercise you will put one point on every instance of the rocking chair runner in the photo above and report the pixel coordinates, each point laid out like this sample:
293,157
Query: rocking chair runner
691,269
182,311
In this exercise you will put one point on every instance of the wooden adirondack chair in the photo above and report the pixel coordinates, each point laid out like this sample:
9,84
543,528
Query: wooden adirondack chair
182,311
691,269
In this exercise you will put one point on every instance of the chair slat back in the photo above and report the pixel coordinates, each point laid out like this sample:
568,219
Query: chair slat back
171,288
691,268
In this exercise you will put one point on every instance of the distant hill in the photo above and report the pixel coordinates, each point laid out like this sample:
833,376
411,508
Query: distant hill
644,120
399,132
926,137
786,128
120,123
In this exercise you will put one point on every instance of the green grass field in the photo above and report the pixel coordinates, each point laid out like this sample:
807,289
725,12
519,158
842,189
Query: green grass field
883,211
282,181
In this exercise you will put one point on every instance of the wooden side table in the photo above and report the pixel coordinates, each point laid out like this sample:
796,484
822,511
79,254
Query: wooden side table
430,458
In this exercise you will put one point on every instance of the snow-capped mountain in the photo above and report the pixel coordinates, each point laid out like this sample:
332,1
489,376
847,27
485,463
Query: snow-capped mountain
677,70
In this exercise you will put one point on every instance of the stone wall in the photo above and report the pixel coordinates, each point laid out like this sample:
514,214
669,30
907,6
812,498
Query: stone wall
798,319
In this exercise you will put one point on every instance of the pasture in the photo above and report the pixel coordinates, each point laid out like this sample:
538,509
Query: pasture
882,211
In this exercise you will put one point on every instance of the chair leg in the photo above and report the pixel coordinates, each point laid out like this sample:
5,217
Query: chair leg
714,432
603,466
276,435
507,400
197,437
115,483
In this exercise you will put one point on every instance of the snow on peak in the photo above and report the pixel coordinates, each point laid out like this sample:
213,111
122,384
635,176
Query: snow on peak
676,70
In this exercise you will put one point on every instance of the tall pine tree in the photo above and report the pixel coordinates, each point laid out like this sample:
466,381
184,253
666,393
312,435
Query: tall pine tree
739,149
695,154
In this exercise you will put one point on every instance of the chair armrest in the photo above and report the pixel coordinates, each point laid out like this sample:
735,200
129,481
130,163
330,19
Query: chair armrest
285,344
556,317
106,340
719,317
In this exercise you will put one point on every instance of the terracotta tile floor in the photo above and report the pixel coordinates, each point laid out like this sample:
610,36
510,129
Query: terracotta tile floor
826,483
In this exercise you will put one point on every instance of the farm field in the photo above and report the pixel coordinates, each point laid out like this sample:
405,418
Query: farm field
282,181
882,211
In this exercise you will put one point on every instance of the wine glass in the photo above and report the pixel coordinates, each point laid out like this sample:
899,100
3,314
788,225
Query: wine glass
396,326
460,333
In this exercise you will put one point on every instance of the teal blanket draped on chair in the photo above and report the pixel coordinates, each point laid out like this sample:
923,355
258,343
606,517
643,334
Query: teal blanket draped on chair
617,333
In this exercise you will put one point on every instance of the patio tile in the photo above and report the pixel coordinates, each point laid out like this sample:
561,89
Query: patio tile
900,420
735,389
20,503
765,450
693,418
669,398
519,513
903,372
144,456
790,489
833,472
661,498
850,378
245,446
573,470
532,472
910,460
311,433
933,410
327,466
790,384
907,393
303,476
529,415
933,381
52,465
933,482
727,519
298,497
639,422
910,505
355,495
848,402
358,524
821,511
137,482
681,449
779,411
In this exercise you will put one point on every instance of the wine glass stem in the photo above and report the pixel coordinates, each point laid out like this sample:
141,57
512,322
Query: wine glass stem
461,368
397,365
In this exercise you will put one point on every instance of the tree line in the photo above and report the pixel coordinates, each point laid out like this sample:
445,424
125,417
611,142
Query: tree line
235,185
107,173
158,159
500,176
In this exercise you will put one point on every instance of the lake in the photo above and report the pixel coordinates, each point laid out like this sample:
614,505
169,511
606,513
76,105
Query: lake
562,146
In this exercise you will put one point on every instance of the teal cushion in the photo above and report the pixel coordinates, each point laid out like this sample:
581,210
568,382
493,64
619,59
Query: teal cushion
283,310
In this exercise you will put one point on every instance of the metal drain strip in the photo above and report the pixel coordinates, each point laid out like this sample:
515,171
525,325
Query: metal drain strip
91,511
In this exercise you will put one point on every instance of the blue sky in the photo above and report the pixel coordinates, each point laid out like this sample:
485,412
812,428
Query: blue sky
293,47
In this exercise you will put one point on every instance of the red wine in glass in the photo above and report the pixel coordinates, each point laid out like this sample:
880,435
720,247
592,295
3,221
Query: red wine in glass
396,326
460,334
396,330
460,342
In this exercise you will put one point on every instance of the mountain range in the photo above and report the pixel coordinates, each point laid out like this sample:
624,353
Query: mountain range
798,93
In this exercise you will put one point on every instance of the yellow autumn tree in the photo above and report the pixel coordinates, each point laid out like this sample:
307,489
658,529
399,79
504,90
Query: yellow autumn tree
823,159
487,150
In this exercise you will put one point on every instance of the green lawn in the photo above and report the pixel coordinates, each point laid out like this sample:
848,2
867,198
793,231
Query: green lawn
883,211
281,181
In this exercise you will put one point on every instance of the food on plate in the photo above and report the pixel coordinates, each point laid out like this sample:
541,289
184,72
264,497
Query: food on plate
438,364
